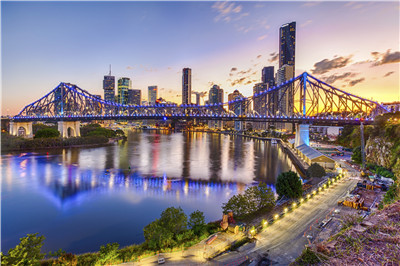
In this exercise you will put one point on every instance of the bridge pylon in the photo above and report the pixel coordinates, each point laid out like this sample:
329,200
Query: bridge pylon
23,129
302,135
69,128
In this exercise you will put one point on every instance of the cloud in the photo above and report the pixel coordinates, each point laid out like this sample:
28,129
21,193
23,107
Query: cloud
356,81
233,69
274,57
326,65
386,58
262,37
310,4
388,74
238,81
308,22
259,56
225,10
333,78
244,72
129,67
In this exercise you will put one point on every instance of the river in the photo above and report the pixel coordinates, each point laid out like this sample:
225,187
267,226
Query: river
81,198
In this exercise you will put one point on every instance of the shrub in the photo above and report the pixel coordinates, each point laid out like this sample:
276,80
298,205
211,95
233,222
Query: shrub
108,253
47,133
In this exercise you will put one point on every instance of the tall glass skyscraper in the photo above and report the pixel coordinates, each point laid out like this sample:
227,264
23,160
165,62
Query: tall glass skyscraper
287,44
267,76
152,95
134,97
124,84
109,87
215,95
186,86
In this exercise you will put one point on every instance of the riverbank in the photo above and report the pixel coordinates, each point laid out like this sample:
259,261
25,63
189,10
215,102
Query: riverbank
18,144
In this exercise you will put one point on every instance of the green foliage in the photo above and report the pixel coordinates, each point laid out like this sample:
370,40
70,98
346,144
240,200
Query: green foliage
316,170
67,259
120,133
108,254
391,195
344,138
356,156
163,232
197,222
9,142
37,127
47,133
288,184
87,259
174,220
27,252
309,257
102,132
382,171
253,199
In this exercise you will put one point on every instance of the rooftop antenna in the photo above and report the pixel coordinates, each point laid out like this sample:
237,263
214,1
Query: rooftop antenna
110,70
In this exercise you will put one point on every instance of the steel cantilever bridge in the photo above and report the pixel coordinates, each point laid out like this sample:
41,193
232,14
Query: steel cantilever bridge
306,100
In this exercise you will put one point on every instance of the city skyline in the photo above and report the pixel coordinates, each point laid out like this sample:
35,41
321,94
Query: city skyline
354,62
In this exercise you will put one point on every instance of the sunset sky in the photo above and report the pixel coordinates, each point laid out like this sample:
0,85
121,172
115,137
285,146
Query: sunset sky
352,45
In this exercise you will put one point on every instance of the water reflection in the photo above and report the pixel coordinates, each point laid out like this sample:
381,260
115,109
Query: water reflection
83,198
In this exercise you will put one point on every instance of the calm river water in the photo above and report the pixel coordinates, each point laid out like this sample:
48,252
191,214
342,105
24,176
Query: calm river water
82,198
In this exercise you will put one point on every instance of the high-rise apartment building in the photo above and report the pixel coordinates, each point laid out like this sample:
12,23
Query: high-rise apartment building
232,96
124,84
152,95
186,86
109,87
285,94
287,44
134,97
215,95
268,76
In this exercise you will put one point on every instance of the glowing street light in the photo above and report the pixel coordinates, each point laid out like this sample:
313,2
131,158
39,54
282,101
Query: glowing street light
276,216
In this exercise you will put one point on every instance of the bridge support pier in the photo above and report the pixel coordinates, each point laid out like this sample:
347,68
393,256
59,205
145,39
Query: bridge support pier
69,128
302,135
23,129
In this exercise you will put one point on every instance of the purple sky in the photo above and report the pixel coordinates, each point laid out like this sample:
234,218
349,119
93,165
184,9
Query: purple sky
352,45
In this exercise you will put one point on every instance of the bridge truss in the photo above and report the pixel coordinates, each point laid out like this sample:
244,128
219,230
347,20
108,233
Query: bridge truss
301,99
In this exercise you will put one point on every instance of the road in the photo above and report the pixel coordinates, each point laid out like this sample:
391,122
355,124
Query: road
284,240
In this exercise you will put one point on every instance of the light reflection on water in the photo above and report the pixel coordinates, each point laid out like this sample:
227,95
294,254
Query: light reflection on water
83,198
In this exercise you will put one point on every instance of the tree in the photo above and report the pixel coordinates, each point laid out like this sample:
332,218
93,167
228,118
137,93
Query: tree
174,220
289,184
47,133
27,252
356,157
315,170
253,199
196,219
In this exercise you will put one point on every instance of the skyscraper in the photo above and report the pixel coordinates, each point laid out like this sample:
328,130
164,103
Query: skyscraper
267,76
215,95
134,97
124,84
109,87
285,93
186,86
152,95
287,44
